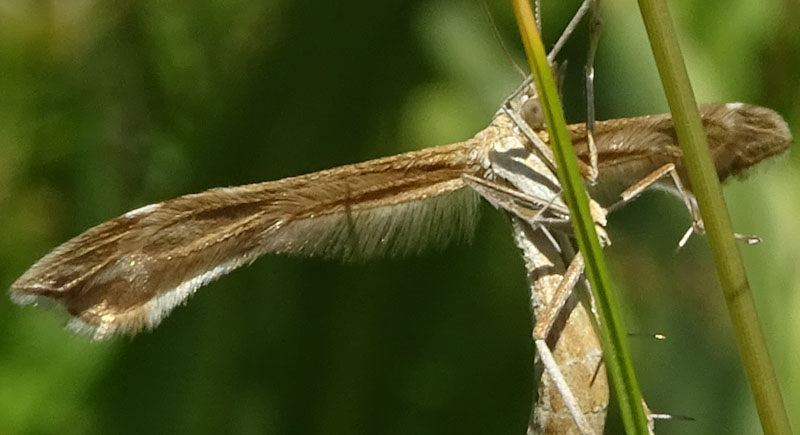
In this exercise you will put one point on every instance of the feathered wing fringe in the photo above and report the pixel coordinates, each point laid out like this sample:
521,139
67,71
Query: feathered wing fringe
127,274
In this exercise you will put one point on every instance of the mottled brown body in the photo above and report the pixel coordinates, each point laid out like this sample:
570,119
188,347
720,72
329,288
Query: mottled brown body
575,347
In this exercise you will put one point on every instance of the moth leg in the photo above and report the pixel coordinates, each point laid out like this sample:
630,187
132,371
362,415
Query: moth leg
551,366
533,210
688,199
652,178
570,278
595,24
539,212
750,239
569,29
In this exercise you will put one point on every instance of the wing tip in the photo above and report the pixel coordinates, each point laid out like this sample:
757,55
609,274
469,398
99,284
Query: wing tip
19,297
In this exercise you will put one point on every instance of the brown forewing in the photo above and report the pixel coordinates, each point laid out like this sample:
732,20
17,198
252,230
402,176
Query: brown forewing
739,136
128,273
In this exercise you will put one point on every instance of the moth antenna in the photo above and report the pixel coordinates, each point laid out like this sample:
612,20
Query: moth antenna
568,30
499,39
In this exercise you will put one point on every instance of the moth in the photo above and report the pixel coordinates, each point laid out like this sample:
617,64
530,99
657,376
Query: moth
129,273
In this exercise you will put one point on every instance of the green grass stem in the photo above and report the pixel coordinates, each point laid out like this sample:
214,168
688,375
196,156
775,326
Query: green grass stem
706,187
612,333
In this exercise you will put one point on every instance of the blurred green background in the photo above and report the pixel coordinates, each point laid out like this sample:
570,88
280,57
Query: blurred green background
107,106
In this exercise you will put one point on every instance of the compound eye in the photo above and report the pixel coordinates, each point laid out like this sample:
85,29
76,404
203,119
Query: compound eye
532,113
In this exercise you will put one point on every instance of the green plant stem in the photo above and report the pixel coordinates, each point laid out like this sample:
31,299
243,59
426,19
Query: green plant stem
705,184
612,333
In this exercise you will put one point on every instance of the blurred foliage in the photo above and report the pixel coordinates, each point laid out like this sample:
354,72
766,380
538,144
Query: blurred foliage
106,106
